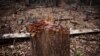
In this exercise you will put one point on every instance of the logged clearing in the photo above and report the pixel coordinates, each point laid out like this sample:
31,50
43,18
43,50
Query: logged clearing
12,20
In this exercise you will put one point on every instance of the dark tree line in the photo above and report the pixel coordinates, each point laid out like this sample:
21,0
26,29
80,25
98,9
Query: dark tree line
50,2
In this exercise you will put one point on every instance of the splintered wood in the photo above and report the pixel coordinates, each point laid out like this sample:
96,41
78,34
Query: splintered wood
49,39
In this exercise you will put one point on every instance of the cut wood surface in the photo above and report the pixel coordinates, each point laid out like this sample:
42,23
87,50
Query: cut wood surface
72,32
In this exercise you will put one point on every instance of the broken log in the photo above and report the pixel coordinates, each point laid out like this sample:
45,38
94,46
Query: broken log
27,35
14,35
84,31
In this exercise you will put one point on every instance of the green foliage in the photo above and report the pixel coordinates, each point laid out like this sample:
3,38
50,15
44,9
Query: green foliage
78,53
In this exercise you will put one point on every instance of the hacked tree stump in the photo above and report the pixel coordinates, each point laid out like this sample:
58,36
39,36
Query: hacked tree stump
49,40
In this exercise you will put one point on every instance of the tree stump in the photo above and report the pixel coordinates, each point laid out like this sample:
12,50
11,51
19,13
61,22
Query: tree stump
49,41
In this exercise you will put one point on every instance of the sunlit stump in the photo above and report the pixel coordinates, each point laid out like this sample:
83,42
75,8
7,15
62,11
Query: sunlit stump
49,40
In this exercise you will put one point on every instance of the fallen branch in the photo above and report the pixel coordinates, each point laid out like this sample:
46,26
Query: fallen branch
63,19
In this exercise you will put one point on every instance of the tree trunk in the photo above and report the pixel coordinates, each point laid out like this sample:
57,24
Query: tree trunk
51,43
